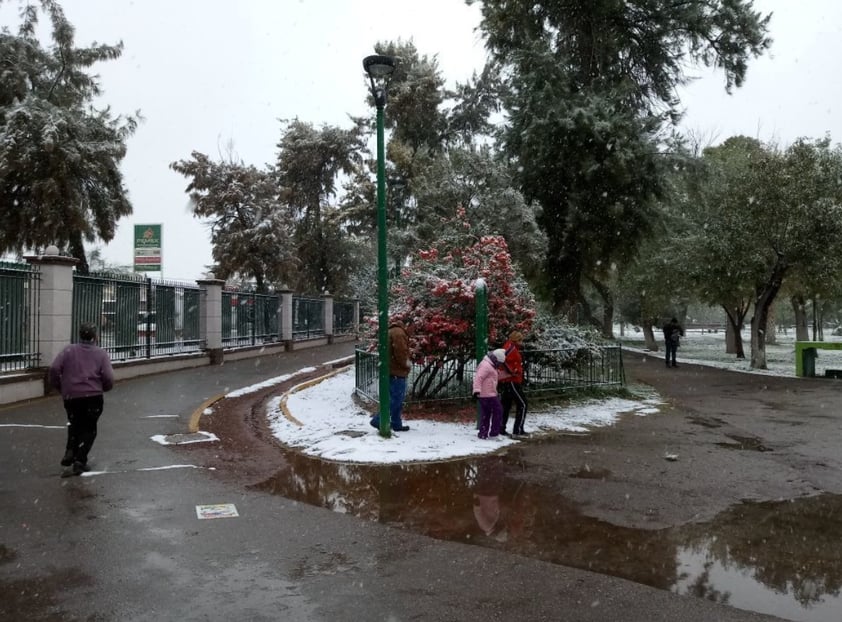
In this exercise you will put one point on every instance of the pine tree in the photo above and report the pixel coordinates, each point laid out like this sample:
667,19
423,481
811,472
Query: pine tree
589,87
60,181
251,230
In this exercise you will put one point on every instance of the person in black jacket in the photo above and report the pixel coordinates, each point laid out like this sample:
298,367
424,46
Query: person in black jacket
672,335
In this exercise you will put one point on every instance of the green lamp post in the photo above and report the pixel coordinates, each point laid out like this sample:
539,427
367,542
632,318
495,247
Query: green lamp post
379,69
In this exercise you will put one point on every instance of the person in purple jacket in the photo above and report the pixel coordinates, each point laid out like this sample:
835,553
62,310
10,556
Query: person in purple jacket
82,372
485,390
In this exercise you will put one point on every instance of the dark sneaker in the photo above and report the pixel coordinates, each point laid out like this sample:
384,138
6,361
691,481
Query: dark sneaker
400,428
75,469
485,438
375,423
68,458
78,468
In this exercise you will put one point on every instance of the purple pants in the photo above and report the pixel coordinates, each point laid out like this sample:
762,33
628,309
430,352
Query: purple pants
490,412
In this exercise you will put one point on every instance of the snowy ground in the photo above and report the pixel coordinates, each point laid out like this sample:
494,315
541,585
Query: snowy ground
322,420
709,349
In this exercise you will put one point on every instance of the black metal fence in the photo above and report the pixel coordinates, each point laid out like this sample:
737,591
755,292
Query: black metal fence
136,316
546,372
307,318
19,303
249,318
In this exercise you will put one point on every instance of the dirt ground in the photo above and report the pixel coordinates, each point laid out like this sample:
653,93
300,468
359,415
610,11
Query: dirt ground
721,437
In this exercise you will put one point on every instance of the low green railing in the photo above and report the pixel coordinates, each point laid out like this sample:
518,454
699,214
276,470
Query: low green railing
547,372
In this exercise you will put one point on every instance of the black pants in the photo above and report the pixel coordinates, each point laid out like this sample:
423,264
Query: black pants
512,393
672,351
82,414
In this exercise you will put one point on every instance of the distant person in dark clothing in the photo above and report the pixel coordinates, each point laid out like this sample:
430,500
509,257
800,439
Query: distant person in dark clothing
672,335
82,373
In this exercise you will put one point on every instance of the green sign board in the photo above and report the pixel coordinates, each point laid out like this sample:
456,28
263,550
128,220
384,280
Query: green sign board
147,248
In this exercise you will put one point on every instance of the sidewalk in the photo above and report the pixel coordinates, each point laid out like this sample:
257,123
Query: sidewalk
127,544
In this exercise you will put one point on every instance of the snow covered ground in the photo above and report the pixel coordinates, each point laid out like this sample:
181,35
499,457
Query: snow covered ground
709,349
322,420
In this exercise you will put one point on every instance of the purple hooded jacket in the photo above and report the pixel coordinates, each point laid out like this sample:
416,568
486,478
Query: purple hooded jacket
82,370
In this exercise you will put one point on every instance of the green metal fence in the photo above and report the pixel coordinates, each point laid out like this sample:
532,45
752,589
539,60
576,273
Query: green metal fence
19,305
249,318
343,317
546,372
307,318
138,317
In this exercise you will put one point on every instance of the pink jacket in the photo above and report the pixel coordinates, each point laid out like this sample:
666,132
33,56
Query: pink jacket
485,378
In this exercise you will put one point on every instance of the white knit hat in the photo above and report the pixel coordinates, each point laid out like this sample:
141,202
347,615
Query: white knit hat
499,354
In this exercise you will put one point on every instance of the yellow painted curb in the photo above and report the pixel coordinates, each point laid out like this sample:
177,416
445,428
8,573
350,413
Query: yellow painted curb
193,427
300,387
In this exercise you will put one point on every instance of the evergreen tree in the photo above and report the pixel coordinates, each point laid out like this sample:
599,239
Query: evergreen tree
589,87
309,164
250,228
60,181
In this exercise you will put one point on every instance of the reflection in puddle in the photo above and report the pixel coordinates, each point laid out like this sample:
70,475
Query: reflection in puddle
778,558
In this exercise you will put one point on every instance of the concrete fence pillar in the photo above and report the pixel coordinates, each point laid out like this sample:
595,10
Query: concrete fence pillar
210,317
286,316
327,320
55,315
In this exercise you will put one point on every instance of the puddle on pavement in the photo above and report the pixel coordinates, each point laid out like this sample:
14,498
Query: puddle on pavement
779,558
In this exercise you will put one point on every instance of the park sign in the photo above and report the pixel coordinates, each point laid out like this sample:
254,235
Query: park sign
147,248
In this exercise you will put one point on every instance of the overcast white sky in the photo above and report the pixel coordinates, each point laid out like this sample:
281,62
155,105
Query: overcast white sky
204,73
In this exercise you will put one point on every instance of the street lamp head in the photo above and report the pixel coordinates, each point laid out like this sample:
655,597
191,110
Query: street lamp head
379,69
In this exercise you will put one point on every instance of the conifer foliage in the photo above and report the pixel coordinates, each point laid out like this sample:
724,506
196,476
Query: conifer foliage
60,181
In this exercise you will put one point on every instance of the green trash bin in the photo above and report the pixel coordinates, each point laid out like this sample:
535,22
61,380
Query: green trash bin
808,362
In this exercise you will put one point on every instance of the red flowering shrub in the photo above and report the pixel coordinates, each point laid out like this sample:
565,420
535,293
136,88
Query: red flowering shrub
435,297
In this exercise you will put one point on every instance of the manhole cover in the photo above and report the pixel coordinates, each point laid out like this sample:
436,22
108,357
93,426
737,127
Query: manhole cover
195,437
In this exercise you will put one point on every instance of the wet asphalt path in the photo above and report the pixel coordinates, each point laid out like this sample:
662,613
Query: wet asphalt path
127,545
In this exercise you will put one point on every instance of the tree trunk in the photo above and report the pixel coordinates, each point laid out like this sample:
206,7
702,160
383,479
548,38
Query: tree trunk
77,251
818,333
772,325
587,312
649,335
733,332
798,309
607,308
764,300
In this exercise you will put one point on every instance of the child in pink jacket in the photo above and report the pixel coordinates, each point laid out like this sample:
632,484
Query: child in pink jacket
485,389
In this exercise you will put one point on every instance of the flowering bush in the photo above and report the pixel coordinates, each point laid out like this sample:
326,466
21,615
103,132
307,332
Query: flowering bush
436,291
435,297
